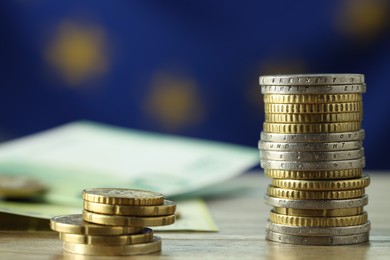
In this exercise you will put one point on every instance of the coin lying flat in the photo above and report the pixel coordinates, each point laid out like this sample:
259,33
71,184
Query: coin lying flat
314,175
313,166
313,118
145,236
309,138
20,187
316,108
168,208
117,220
319,212
74,224
313,98
318,231
318,147
311,128
123,196
317,240
325,89
311,156
312,79
313,195
318,221
108,250
348,184
316,204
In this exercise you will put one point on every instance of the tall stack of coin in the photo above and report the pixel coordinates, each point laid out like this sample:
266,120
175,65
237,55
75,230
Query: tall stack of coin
311,147
113,223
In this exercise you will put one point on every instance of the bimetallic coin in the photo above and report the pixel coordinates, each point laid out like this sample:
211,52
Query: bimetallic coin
328,89
314,175
316,204
168,208
115,220
349,184
317,240
144,237
314,108
313,166
316,231
122,250
309,138
20,187
313,98
313,118
123,196
311,128
318,221
319,212
301,147
74,224
314,195
311,156
312,79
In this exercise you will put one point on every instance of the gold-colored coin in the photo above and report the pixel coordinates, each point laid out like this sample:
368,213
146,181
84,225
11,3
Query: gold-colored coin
313,195
314,108
168,208
314,175
104,250
311,98
129,197
311,128
318,221
349,184
115,220
313,118
319,212
144,237
20,187
74,224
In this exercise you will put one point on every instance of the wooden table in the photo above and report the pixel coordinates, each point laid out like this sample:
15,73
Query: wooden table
241,217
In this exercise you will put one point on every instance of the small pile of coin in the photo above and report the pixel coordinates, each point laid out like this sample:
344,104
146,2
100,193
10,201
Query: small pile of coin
114,223
311,147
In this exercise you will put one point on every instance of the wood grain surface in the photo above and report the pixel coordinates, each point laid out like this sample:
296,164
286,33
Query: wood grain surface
241,217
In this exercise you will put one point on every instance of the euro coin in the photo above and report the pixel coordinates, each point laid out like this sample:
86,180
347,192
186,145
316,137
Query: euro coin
311,156
317,240
312,80
318,231
311,99
110,250
349,184
310,138
129,197
316,204
168,208
313,195
311,128
319,212
74,224
314,175
145,236
116,220
318,221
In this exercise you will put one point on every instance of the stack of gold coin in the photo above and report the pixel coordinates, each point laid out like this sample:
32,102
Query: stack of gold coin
311,147
114,223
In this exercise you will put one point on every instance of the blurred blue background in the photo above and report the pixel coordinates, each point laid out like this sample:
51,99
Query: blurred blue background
184,67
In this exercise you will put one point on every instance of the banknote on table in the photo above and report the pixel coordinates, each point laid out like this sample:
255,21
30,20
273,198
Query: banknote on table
84,155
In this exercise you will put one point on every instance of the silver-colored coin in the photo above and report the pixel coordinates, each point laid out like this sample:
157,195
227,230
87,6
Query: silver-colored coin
320,147
318,231
313,166
336,89
312,79
311,156
317,240
316,204
325,137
